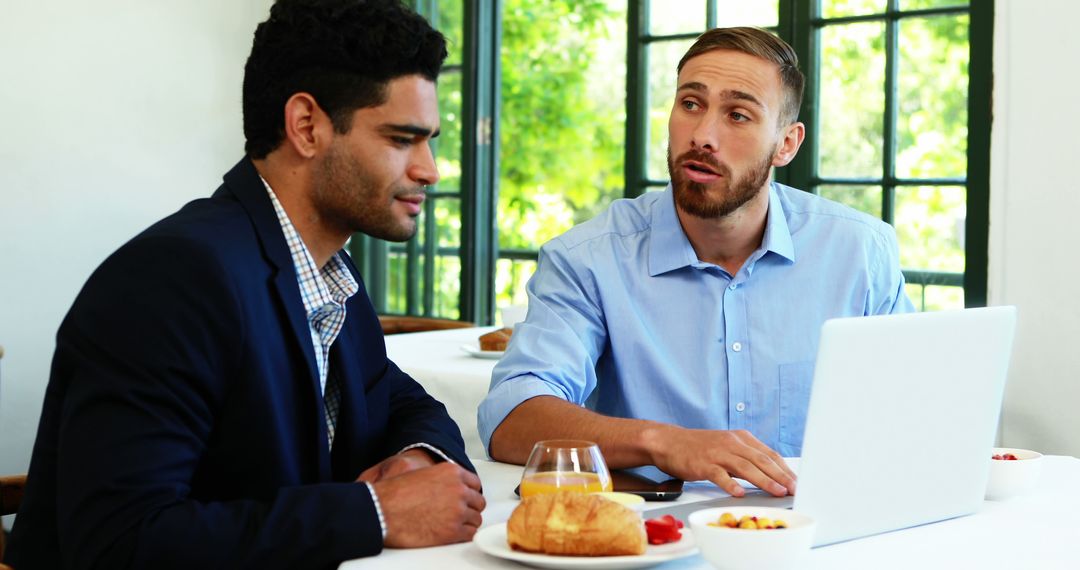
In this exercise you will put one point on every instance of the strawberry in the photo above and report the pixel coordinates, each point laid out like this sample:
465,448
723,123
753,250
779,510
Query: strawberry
663,529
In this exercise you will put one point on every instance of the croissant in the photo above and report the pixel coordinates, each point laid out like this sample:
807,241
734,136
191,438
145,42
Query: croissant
496,340
575,524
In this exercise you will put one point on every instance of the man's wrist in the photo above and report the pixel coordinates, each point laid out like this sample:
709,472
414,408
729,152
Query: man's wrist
653,440
378,508
436,454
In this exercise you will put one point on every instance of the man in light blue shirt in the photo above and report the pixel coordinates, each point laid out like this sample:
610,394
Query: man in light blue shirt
680,328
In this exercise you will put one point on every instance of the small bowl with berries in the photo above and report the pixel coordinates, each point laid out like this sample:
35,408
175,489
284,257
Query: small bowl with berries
752,537
1012,472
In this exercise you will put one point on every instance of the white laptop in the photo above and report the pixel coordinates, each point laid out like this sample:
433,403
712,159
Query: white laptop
902,418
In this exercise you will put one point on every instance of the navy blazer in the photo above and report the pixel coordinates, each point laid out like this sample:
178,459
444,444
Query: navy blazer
183,421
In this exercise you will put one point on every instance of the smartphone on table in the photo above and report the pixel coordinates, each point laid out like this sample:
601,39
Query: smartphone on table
647,482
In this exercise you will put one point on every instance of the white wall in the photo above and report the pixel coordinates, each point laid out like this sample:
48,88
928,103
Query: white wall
1034,229
115,113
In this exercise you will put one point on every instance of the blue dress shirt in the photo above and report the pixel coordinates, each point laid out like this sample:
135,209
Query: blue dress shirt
625,319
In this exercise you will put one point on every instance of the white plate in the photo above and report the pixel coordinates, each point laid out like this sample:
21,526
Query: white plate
477,353
492,540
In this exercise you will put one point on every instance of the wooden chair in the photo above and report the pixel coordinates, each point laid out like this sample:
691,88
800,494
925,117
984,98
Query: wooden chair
397,324
11,494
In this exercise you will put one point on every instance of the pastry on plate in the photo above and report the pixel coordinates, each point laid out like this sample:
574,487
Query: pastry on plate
496,340
575,524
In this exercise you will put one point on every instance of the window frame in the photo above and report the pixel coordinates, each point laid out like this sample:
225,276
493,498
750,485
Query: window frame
478,188
800,24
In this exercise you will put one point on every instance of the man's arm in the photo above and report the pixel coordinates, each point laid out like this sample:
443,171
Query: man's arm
148,358
147,355
550,369
416,417
888,295
690,454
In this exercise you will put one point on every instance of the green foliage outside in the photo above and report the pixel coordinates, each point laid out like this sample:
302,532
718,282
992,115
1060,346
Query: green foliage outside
931,133
563,120
562,124
562,127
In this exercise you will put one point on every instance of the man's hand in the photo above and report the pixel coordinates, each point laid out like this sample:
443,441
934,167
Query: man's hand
717,456
430,506
395,465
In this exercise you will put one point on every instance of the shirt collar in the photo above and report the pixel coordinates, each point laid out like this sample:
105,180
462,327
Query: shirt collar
670,249
332,283
777,238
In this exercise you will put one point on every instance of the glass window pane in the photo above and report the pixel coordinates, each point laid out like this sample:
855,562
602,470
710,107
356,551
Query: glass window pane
676,17
935,297
395,286
930,227
450,20
448,221
663,59
447,287
421,284
760,13
511,276
863,198
563,116
941,298
933,88
840,8
447,147
920,4
852,99
915,293
421,228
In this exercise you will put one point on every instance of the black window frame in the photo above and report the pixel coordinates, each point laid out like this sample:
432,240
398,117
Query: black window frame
800,24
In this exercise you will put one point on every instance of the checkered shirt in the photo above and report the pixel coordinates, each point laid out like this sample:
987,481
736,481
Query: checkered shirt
324,293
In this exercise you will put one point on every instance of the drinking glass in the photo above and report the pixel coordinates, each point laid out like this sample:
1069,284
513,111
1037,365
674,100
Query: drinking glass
565,465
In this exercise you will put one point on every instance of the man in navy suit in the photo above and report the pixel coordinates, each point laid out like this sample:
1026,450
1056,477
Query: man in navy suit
220,394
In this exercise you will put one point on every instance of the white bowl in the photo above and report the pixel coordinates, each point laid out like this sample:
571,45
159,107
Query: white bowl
1011,478
736,548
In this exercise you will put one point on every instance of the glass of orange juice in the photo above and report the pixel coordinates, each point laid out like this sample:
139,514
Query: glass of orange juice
565,465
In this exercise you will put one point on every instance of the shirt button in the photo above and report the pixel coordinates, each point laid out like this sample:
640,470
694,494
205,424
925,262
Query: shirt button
740,407
736,346
733,286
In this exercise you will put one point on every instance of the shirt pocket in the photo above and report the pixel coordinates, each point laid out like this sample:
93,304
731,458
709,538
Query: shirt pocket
795,381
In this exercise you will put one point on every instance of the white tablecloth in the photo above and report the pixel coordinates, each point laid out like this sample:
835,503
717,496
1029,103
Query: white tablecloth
435,359
1038,530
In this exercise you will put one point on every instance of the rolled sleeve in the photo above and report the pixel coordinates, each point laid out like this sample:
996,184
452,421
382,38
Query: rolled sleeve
506,395
554,352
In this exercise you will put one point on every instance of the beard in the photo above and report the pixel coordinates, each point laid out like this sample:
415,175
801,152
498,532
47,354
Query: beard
348,197
693,197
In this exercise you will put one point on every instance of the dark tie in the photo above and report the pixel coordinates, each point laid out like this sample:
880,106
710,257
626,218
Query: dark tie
332,401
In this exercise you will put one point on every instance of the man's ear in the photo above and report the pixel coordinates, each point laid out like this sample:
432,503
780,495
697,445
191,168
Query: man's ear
307,127
789,144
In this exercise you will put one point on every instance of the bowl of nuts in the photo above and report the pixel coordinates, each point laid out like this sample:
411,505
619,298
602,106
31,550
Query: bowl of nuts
752,537
1012,472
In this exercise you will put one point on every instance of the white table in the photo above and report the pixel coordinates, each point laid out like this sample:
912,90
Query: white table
1038,530
460,381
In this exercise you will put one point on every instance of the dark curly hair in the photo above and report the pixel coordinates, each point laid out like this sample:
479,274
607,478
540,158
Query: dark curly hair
342,52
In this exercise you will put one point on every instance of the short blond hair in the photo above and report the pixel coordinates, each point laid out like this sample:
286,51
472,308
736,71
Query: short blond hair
762,44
